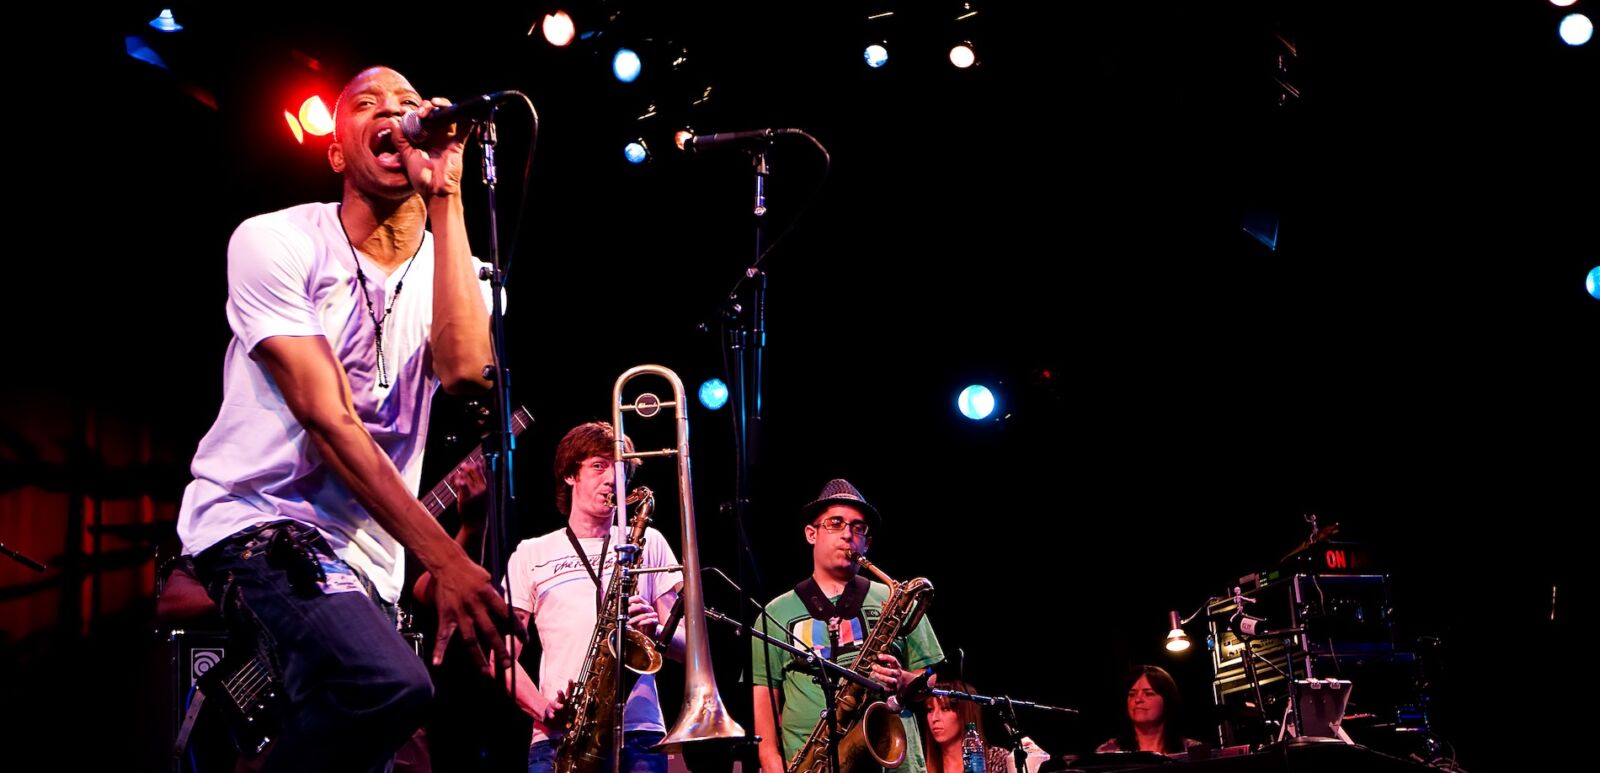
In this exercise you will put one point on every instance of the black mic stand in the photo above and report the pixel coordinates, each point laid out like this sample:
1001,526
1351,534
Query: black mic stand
820,670
21,558
746,340
619,695
1010,729
499,446
1250,659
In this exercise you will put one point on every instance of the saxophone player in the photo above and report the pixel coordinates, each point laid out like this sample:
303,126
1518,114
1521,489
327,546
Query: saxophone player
833,611
558,581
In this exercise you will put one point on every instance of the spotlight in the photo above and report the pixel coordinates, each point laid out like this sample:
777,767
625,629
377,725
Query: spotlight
976,402
1576,29
558,28
636,151
877,55
1592,284
626,65
714,394
1177,640
314,116
165,22
963,55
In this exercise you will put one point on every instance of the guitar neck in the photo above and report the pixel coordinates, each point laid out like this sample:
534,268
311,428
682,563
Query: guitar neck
443,496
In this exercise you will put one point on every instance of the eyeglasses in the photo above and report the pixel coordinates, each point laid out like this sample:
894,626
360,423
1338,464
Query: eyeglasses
837,523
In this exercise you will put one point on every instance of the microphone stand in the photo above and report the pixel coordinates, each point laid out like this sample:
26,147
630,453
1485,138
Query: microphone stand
999,700
499,446
1250,658
1010,729
820,670
21,558
746,340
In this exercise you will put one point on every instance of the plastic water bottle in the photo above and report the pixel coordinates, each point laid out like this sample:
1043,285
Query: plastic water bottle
972,750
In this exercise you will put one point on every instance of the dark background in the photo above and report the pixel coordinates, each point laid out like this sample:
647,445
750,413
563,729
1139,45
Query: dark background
1415,360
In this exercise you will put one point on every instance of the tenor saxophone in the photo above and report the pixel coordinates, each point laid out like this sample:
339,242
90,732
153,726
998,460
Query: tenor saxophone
870,732
594,710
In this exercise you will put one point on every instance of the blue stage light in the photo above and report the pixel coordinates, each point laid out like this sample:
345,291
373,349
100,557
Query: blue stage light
976,402
714,394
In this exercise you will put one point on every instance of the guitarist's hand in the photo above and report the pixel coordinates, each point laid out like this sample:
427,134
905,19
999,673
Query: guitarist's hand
469,482
470,606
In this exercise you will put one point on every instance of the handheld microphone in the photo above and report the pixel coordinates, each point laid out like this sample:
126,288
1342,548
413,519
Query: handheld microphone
418,129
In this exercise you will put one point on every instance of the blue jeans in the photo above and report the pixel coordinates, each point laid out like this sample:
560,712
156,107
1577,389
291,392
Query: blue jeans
355,690
636,757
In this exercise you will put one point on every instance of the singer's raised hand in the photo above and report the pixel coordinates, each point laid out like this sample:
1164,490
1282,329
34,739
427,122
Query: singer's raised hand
435,169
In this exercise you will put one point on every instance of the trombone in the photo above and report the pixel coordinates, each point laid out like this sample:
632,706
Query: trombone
702,716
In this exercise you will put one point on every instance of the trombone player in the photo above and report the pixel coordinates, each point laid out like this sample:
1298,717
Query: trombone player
833,612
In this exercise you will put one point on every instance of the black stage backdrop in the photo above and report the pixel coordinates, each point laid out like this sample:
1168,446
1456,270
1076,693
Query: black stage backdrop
1415,360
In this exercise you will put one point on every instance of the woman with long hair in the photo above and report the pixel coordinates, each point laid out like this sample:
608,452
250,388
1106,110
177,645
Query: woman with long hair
1154,717
944,726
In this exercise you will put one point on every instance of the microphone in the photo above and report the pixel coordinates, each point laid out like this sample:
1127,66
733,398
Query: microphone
418,129
701,142
915,692
664,636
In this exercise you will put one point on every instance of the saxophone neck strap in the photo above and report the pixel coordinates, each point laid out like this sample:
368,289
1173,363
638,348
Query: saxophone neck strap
594,574
848,607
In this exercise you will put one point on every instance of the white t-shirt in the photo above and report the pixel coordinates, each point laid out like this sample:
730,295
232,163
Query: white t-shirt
550,583
291,273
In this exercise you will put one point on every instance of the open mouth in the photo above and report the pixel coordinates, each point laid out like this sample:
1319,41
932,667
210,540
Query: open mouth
384,150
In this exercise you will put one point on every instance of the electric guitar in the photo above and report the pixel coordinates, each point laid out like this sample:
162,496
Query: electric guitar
253,696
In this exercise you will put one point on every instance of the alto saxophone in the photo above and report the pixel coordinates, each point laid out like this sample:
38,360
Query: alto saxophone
869,733
593,698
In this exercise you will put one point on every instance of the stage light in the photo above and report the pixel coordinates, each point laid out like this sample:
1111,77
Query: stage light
165,22
714,394
877,55
315,118
976,402
1593,282
626,65
636,152
294,126
963,55
1177,640
1576,29
558,28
